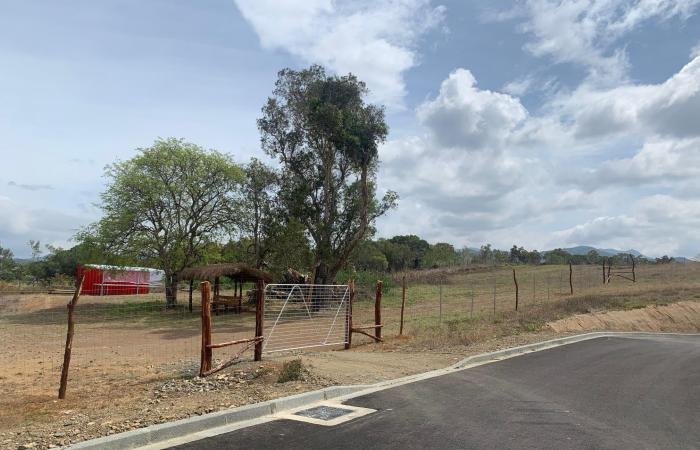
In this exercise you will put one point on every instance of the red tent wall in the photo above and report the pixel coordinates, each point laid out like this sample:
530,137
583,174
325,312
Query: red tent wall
100,281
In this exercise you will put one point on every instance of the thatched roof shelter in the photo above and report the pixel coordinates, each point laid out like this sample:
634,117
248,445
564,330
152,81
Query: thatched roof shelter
235,271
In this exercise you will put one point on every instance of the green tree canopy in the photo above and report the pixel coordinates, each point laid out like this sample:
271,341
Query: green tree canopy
325,137
163,206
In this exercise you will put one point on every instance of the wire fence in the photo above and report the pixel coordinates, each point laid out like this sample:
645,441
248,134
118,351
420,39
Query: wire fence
125,341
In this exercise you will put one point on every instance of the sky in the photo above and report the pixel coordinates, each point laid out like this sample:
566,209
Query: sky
538,123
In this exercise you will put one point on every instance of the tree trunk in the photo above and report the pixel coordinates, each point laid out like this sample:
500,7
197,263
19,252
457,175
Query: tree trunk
171,284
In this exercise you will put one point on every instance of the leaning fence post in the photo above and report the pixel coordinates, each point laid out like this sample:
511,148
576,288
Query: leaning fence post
348,335
516,290
603,271
259,316
69,339
403,303
378,311
205,360
571,279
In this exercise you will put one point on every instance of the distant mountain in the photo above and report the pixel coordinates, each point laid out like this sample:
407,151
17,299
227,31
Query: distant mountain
584,249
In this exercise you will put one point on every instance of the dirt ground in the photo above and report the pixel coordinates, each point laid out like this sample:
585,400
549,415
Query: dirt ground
678,317
134,368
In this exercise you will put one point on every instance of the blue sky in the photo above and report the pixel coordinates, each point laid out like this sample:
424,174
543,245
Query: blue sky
538,123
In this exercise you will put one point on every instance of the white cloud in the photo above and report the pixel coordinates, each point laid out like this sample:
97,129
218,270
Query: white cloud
375,40
657,225
465,116
695,51
583,31
19,224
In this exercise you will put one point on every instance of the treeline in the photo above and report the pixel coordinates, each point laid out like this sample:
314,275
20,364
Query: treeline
411,252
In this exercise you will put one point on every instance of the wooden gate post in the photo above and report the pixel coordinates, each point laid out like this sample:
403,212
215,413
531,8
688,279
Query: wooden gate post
259,316
403,303
205,363
348,334
516,290
378,311
571,279
69,340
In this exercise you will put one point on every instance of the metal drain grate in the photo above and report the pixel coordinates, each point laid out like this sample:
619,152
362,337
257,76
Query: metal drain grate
323,412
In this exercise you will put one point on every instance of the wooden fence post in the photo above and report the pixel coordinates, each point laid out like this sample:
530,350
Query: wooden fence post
403,303
205,363
634,277
516,290
603,271
191,289
259,317
348,335
69,339
378,311
571,279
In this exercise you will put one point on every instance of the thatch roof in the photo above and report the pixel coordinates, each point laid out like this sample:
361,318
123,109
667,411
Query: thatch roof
235,271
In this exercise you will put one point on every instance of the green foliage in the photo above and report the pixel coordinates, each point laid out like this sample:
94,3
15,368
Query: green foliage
326,139
399,256
369,257
418,248
166,205
8,267
291,371
440,255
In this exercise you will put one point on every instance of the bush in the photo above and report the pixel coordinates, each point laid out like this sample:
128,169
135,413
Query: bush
291,371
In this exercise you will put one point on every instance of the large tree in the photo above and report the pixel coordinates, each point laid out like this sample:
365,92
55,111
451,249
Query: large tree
165,205
260,220
325,137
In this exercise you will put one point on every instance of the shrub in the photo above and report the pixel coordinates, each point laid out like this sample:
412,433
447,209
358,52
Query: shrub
291,371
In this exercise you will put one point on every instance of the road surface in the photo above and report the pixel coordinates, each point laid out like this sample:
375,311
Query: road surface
619,392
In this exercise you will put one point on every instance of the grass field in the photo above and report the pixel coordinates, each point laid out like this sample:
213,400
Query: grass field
125,343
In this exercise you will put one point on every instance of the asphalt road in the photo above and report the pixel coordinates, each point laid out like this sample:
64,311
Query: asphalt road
603,393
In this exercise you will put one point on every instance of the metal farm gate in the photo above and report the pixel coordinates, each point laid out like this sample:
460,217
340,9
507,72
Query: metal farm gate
300,316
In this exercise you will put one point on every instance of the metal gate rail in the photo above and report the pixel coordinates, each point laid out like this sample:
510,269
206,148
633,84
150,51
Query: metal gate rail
301,316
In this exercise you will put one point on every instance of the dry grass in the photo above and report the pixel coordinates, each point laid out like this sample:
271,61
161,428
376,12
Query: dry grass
459,329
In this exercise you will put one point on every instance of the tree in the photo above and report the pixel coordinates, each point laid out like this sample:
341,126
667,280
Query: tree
486,255
35,247
368,256
260,220
440,255
325,137
399,256
7,264
165,205
417,245
557,256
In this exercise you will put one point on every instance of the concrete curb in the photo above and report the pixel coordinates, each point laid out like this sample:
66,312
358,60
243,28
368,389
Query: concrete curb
170,430
199,424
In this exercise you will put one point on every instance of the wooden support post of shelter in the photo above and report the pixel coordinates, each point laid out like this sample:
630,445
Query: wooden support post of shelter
259,315
69,339
378,311
205,364
403,303
515,280
571,278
